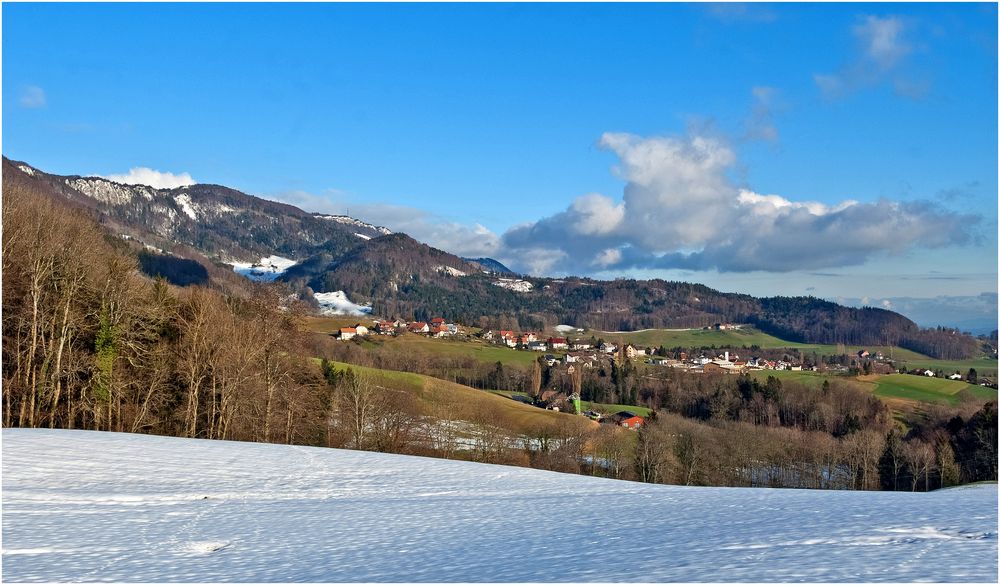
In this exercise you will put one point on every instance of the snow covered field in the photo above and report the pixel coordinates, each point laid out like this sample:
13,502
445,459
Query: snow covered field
268,269
337,303
86,506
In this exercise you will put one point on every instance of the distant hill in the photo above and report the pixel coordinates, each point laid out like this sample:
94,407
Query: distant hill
222,223
401,277
490,265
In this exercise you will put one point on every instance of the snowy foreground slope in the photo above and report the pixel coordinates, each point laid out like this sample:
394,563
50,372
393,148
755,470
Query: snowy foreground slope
85,506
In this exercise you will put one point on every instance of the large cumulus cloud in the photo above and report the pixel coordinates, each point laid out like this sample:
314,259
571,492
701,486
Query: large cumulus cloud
679,209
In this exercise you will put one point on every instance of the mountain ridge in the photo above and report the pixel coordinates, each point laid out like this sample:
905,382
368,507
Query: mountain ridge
401,277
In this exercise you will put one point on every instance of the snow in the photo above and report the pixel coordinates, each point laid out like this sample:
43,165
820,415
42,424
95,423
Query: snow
184,200
337,303
268,269
91,506
450,270
567,328
27,170
362,236
514,284
346,220
108,191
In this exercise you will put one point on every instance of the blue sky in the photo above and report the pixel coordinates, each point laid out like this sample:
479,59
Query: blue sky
843,150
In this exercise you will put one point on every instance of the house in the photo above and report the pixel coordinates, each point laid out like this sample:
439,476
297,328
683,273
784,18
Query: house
929,373
361,329
571,358
529,337
955,376
437,321
608,348
452,328
863,353
557,343
627,419
439,330
537,346
346,333
550,359
488,335
507,338
580,345
631,352
418,327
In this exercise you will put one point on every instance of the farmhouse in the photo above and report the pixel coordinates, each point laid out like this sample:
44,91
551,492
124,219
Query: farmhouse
557,343
627,419
419,327
346,333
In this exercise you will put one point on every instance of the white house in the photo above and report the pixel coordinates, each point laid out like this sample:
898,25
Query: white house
929,373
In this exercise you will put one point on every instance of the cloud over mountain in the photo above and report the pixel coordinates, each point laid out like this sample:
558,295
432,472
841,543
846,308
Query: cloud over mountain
680,209
153,178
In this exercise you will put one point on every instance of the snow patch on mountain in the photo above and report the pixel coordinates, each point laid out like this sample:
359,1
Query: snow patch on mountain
362,236
451,271
184,200
268,269
99,506
346,220
108,191
337,303
567,328
27,170
514,284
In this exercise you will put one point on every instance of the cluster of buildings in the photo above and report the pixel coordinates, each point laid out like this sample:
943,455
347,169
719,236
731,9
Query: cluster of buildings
437,327
725,363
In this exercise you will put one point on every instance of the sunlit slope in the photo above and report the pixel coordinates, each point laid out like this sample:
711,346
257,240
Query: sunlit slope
88,506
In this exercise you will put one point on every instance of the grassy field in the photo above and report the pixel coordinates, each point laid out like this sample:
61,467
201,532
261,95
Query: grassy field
926,389
984,366
465,403
484,352
692,338
748,337
893,388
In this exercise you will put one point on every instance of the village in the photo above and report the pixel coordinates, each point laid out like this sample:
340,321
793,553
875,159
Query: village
586,352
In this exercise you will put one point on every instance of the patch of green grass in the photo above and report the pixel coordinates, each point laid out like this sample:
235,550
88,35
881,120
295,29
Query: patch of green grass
483,352
692,338
922,388
984,366
738,338
613,408
465,403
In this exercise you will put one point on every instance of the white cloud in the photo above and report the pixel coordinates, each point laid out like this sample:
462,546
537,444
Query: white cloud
457,238
679,209
152,178
882,49
882,40
760,125
32,96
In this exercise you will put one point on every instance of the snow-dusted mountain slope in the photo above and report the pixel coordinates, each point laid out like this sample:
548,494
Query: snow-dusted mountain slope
86,506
